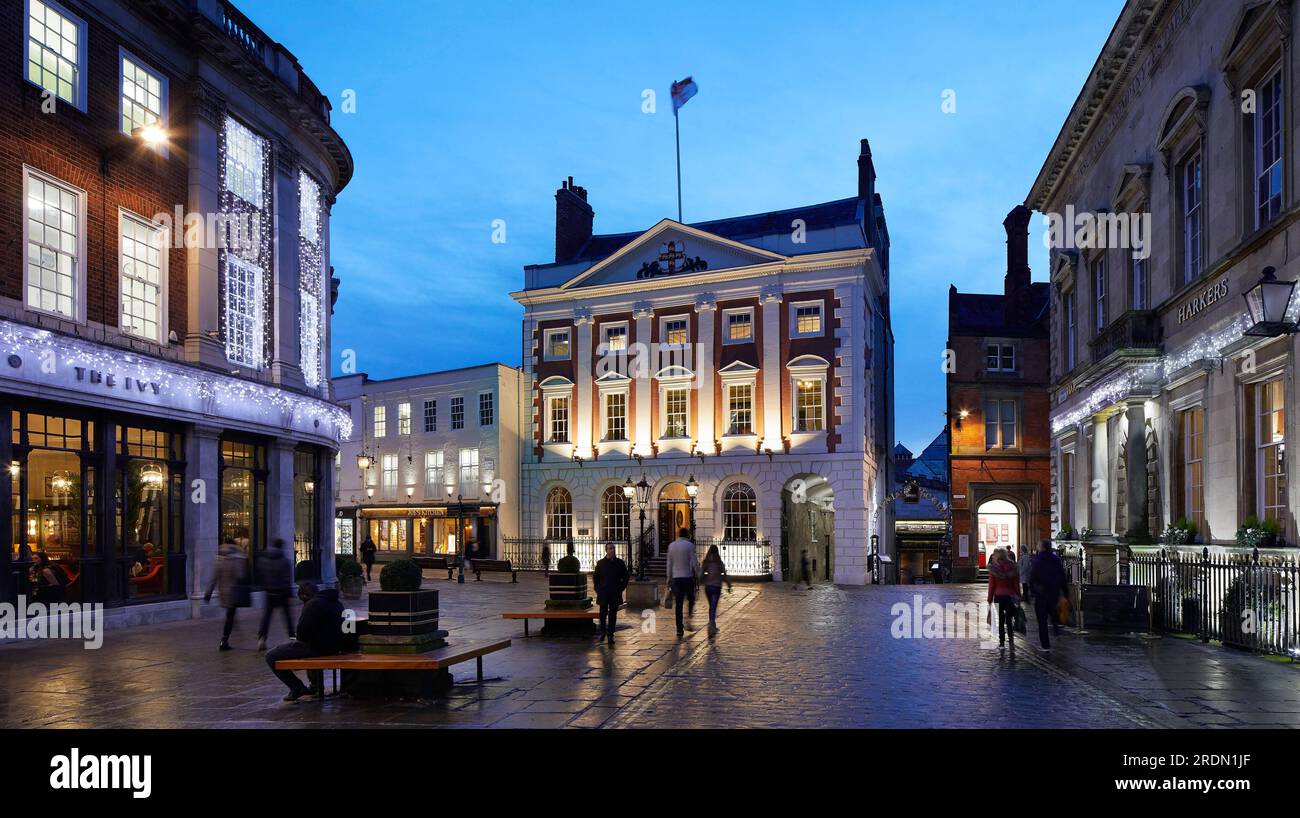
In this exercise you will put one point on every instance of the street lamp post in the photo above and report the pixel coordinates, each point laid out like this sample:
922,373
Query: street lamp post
642,492
1268,303
692,489
875,559
460,546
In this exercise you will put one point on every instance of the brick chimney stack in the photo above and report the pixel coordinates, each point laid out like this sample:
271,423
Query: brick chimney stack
573,220
867,188
1015,286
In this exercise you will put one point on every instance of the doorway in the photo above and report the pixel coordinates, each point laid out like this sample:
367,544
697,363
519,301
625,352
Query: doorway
808,529
674,514
999,527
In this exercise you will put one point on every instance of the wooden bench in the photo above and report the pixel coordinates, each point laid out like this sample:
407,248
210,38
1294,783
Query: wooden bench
588,613
447,564
493,566
434,660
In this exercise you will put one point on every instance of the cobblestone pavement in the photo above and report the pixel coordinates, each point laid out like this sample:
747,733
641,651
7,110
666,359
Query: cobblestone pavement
785,656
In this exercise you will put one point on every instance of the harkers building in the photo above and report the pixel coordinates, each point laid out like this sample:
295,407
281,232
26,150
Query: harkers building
161,390
728,376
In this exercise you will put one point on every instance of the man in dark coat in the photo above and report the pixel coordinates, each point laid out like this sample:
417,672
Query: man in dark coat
320,633
610,579
368,555
275,570
1047,583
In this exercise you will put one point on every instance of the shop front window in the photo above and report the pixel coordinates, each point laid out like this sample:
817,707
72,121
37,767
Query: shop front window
305,470
53,496
148,510
243,495
389,535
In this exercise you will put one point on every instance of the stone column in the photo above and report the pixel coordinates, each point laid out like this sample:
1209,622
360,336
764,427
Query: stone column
643,376
705,434
582,416
202,508
1136,468
1099,512
324,512
279,495
203,339
773,368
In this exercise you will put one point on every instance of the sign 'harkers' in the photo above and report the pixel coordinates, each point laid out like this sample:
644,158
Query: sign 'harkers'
1202,301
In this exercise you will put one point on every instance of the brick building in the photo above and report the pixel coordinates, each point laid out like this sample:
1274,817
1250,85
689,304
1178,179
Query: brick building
738,369
167,172
998,401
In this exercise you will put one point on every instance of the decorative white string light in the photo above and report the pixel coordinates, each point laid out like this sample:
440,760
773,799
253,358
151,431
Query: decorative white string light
256,400
311,271
1108,391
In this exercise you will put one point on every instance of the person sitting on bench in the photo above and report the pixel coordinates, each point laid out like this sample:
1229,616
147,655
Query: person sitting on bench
569,564
320,633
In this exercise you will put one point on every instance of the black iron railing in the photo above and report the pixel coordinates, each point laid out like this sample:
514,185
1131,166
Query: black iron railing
743,558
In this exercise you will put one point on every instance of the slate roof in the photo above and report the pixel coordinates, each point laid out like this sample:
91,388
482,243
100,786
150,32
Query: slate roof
983,314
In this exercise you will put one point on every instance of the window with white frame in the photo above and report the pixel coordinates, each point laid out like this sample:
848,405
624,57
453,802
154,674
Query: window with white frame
433,474
1189,182
557,345
389,475
739,513
740,409
56,51
615,416
311,290
403,418
613,337
559,514
1000,357
143,260
244,321
458,413
676,331
1100,314
1268,133
144,96
245,162
486,409
380,427
1270,451
806,319
738,326
430,416
999,424
1191,471
615,515
558,419
809,405
469,472
55,228
675,411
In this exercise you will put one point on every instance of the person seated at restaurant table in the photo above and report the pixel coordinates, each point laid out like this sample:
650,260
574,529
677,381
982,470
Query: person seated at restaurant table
569,564
47,579
319,633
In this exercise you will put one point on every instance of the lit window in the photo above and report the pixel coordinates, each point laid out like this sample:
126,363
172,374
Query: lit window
55,224
1270,452
143,96
999,424
1192,472
389,477
1268,150
486,409
740,327
808,414
616,416
676,331
1190,186
615,338
458,413
142,258
739,513
557,345
615,515
244,203
432,475
403,418
430,416
675,412
559,420
56,51
469,471
381,421
245,159
311,329
559,514
807,319
244,320
740,409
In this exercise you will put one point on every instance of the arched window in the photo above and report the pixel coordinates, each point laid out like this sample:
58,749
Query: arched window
739,513
615,514
559,514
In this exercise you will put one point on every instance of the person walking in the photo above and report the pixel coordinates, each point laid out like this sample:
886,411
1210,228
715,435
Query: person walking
806,568
274,569
1026,566
610,578
1048,581
682,569
712,573
368,555
546,559
1004,589
320,633
230,580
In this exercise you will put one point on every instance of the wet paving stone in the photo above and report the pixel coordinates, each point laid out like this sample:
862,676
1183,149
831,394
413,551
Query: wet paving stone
784,657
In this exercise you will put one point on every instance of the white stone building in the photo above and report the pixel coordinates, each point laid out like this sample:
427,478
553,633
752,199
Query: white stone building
442,457
746,359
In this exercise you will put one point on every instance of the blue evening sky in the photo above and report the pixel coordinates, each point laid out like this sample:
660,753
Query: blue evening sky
470,112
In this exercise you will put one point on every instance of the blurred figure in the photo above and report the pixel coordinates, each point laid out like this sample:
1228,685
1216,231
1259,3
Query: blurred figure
546,559
1026,570
1004,589
712,573
682,569
1048,579
610,578
320,633
806,567
569,564
230,580
368,555
275,571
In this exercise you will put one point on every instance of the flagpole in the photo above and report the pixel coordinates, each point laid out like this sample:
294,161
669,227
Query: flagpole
677,135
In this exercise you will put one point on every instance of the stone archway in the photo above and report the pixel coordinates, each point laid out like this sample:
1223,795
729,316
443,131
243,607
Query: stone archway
940,503
808,529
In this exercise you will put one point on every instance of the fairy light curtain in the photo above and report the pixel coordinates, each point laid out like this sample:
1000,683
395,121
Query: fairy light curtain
246,256
311,309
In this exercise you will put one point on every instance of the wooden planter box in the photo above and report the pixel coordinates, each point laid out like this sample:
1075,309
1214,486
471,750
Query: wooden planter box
403,613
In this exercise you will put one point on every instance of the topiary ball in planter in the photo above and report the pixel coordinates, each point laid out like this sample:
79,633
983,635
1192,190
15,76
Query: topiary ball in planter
400,575
306,569
349,575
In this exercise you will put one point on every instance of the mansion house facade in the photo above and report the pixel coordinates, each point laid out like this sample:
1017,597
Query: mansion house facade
736,370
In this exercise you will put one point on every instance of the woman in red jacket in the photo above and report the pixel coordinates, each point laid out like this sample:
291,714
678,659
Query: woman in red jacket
1004,589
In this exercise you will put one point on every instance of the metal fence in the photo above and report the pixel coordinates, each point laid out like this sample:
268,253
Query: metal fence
743,558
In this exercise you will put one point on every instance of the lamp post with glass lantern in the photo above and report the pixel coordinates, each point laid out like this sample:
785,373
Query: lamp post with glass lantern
460,547
692,489
1268,304
641,493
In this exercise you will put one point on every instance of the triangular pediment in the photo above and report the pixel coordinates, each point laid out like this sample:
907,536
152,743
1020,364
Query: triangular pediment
670,249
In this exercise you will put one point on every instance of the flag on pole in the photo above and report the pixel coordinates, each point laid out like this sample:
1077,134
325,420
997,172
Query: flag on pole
683,91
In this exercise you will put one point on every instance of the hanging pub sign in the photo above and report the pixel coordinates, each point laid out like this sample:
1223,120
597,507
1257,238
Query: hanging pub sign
1202,301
